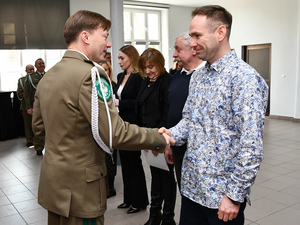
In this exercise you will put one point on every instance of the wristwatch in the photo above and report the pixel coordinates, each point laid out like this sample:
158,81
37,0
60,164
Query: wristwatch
234,202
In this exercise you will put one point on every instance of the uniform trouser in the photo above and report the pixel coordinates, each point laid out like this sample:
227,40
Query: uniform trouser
178,165
55,219
27,125
135,188
38,143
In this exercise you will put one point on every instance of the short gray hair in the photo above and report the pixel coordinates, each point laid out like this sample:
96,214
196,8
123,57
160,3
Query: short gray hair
186,39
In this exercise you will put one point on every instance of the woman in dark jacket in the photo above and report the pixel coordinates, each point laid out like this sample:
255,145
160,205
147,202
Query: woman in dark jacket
152,109
128,84
111,162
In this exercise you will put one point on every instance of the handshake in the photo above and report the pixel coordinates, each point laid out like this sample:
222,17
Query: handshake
170,141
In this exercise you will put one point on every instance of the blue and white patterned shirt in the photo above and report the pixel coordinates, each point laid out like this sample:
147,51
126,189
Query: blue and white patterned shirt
223,122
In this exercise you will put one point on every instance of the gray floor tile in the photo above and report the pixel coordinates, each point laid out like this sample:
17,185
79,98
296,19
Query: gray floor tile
275,195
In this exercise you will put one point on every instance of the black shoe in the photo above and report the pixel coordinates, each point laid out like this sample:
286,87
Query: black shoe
112,192
123,206
168,222
132,210
154,220
29,144
39,152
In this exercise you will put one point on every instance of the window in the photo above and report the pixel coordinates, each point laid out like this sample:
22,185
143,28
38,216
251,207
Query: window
142,28
14,62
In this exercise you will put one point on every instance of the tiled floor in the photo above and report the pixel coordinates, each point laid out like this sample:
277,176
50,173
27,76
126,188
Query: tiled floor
275,194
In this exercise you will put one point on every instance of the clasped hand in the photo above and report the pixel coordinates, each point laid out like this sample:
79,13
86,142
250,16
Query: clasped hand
170,141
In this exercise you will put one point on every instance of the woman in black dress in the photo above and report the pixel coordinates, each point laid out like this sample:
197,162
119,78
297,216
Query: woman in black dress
152,108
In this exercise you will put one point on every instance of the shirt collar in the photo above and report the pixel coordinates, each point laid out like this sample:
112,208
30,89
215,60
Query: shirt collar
192,70
79,52
41,73
221,63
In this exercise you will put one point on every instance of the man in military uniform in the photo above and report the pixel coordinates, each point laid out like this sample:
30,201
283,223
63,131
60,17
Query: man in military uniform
31,83
26,117
74,111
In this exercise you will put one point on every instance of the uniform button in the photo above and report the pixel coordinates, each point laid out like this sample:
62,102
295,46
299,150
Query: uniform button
157,148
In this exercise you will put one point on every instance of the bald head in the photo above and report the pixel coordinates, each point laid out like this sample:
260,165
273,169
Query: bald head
29,68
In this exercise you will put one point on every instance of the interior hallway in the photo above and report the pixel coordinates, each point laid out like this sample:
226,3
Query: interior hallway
275,194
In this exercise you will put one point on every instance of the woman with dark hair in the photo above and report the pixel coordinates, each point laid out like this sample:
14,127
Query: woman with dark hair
128,84
152,109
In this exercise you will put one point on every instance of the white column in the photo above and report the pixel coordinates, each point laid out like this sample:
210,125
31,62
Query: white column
117,33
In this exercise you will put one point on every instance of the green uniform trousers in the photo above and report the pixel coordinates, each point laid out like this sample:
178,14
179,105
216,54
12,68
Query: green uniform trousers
38,143
55,219
28,126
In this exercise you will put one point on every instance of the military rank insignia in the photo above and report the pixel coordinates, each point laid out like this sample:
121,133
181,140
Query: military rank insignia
105,88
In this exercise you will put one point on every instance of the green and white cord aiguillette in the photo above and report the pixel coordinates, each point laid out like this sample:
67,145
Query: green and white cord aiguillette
101,86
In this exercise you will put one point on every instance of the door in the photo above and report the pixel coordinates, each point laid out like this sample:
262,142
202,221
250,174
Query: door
259,57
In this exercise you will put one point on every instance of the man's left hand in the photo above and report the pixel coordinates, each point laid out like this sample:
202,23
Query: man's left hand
228,210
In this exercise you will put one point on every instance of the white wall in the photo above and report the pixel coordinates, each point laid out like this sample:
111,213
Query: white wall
275,22
99,6
179,22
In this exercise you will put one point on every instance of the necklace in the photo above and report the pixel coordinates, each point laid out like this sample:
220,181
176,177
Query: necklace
150,83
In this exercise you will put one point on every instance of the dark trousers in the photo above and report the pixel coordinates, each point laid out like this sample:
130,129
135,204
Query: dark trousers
163,189
193,213
27,125
178,165
135,189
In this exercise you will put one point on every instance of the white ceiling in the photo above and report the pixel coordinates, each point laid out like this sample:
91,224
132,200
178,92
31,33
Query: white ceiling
186,3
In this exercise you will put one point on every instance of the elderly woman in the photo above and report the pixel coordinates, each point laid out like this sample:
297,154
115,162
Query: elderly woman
152,108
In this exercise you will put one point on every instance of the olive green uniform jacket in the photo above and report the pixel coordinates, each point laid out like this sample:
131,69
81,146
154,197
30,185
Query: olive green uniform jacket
31,83
20,92
73,174
26,117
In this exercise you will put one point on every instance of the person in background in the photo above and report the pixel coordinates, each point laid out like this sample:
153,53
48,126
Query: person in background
128,84
152,109
26,117
74,112
111,161
107,57
222,123
177,65
178,92
31,82
107,67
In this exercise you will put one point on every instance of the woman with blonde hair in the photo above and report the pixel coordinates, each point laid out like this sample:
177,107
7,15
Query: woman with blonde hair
128,84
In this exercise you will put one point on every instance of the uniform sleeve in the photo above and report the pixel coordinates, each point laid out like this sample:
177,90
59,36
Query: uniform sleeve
20,90
37,121
125,136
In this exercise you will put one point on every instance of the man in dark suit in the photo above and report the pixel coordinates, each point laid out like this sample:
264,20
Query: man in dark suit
178,92
75,113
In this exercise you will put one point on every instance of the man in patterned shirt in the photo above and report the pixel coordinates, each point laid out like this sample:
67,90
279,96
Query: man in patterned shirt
223,121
